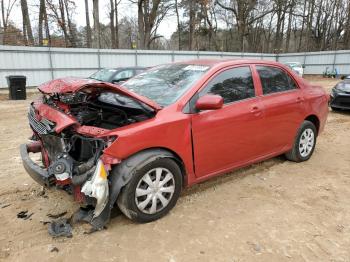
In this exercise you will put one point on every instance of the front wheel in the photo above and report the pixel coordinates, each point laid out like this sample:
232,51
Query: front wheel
304,143
152,192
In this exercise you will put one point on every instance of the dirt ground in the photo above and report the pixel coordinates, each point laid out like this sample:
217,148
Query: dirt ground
272,211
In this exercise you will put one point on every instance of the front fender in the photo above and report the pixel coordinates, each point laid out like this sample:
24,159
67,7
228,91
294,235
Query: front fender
121,175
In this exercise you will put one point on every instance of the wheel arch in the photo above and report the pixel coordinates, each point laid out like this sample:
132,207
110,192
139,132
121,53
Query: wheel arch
315,120
153,153
122,173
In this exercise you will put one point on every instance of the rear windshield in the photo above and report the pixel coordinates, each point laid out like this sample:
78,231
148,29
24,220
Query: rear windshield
167,83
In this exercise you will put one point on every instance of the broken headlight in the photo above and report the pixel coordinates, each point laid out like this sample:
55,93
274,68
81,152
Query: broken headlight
97,187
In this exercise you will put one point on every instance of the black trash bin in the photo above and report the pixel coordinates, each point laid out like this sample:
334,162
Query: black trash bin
17,87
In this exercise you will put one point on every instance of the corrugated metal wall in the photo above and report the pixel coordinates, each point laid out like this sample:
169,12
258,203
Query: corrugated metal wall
41,64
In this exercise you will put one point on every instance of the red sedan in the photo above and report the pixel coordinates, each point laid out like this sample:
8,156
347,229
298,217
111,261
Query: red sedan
175,125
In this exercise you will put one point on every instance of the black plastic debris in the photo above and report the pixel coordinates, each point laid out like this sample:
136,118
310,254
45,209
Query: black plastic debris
24,215
85,215
60,228
54,249
6,205
82,215
55,216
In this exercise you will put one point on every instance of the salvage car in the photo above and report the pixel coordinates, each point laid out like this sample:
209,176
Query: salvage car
117,75
340,95
136,146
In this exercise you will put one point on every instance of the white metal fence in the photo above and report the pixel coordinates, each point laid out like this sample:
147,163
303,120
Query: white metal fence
40,64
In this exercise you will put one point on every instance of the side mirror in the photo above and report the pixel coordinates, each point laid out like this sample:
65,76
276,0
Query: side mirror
209,102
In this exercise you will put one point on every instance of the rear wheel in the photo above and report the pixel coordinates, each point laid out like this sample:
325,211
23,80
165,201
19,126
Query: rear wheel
304,143
152,192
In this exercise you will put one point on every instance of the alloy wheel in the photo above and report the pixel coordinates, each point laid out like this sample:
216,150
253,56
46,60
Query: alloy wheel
306,142
154,190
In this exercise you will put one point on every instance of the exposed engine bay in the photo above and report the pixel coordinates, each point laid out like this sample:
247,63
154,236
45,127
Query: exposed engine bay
101,109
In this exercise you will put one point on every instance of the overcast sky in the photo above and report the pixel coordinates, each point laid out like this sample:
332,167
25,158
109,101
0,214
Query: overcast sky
167,27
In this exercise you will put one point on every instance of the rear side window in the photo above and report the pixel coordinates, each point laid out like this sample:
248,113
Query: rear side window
275,80
233,85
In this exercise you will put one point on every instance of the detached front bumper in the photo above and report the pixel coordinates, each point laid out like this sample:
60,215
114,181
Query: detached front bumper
40,175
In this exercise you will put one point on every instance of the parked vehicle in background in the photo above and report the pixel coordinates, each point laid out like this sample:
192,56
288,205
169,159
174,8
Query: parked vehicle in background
340,95
117,75
176,125
296,67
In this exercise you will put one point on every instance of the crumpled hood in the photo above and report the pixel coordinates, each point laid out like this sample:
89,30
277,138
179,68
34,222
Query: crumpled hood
74,84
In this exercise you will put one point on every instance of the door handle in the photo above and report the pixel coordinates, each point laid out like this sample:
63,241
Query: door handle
300,99
255,110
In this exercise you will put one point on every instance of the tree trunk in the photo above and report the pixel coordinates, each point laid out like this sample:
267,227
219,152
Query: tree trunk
26,22
147,15
41,20
192,16
302,26
178,24
309,24
62,22
141,25
24,31
116,3
347,29
3,16
289,26
47,28
72,36
111,24
88,27
95,12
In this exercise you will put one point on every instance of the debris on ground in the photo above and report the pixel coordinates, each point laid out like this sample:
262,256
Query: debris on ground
24,215
42,193
82,214
52,248
6,205
55,216
60,228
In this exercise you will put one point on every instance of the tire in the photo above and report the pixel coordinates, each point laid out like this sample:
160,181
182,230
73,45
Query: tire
134,207
304,144
335,109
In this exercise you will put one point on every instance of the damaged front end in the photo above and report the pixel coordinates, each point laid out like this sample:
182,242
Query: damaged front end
72,164
70,132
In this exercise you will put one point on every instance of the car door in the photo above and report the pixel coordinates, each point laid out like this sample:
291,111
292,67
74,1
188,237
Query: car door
227,137
282,100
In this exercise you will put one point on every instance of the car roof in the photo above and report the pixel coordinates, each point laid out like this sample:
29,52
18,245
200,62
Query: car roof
227,62
127,67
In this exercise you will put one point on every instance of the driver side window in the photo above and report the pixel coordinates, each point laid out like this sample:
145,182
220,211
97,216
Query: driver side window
233,85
